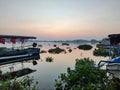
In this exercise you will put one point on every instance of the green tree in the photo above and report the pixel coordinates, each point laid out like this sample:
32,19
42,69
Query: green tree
84,77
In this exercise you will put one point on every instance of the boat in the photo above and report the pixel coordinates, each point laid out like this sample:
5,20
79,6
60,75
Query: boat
104,43
113,64
18,55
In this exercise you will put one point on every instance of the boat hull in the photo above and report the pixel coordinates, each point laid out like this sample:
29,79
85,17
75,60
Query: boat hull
114,69
18,56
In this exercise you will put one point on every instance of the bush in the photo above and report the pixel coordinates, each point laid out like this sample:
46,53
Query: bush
23,84
101,52
65,44
84,77
43,51
85,47
56,50
49,59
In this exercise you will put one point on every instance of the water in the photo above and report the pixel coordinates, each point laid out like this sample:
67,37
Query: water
47,72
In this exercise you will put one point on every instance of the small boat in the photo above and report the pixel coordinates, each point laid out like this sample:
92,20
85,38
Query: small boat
113,65
18,55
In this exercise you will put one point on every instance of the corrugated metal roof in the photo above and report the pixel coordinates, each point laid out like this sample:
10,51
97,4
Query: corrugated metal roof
17,36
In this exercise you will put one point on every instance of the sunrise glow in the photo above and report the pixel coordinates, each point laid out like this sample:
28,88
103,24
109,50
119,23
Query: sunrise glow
60,19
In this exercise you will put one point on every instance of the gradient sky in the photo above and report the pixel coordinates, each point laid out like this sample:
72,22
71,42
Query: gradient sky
60,19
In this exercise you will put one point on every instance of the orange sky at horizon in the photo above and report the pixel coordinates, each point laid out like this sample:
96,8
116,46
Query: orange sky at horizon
58,20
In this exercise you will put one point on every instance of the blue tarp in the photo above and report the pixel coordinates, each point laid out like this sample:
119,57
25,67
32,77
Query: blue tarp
116,60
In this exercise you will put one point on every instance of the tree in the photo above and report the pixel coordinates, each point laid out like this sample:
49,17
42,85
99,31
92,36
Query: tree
84,77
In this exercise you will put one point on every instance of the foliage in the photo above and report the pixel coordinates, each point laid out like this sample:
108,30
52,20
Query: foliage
3,48
56,50
43,51
49,59
85,47
23,84
101,52
84,77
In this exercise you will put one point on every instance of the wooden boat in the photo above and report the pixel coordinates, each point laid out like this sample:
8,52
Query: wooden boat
16,55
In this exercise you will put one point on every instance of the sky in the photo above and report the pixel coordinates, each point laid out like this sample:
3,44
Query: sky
60,19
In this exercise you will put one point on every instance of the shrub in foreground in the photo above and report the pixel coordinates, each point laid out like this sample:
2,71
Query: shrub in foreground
84,77
23,84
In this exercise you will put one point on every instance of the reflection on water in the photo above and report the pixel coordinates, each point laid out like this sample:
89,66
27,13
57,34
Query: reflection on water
47,72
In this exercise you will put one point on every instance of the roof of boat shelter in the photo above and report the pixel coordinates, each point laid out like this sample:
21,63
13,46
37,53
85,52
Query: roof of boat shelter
114,35
114,39
17,36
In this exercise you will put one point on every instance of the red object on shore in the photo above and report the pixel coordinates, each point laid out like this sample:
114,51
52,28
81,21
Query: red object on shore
22,40
13,40
114,39
2,40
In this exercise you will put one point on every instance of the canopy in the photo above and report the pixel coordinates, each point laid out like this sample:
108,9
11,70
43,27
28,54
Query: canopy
114,39
13,38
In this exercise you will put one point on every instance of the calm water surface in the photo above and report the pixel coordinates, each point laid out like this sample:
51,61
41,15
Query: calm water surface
47,72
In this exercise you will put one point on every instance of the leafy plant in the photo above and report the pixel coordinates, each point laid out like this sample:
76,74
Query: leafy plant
84,77
56,50
49,59
43,51
85,47
101,52
3,48
23,84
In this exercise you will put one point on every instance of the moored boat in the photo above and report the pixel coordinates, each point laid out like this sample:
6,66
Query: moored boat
113,65
18,55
